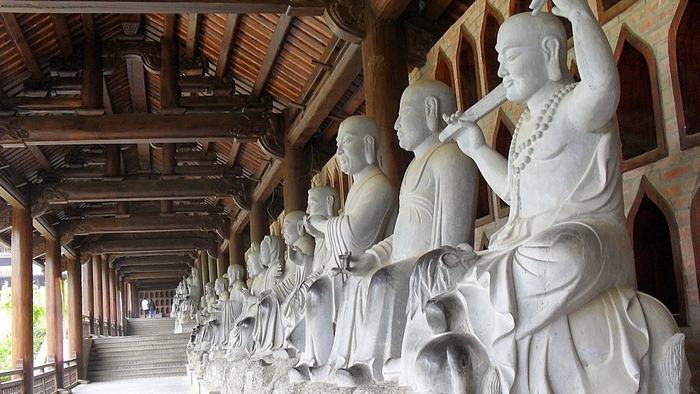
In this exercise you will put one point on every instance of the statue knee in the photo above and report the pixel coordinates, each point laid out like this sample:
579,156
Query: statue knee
576,246
318,292
382,278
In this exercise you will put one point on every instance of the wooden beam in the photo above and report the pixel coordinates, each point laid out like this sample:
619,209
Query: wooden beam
191,40
62,34
182,268
16,132
138,209
139,104
273,50
93,83
136,190
153,275
144,224
233,154
292,7
226,44
127,261
157,245
17,37
322,103
388,9
42,103
40,157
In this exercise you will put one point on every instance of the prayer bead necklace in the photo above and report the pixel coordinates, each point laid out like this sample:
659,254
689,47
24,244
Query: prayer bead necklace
527,148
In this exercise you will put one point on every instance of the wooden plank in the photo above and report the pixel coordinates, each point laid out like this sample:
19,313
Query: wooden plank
62,34
16,132
226,44
192,28
40,157
273,50
292,7
17,37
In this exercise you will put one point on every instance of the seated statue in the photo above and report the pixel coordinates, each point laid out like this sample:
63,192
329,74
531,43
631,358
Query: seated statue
368,217
202,335
268,331
300,262
551,307
437,206
194,294
323,295
230,305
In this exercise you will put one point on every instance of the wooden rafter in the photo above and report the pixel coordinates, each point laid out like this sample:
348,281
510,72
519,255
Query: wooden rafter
226,44
192,28
62,34
273,50
17,37
292,7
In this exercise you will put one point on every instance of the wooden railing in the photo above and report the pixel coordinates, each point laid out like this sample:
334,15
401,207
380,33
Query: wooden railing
11,381
70,372
45,378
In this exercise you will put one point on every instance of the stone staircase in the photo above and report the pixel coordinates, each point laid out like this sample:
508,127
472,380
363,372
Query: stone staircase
154,351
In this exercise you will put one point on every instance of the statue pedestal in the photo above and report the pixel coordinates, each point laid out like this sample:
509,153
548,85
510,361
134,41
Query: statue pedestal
255,377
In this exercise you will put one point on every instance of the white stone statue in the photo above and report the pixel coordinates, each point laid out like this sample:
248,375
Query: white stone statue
369,216
268,331
437,205
551,306
203,333
325,290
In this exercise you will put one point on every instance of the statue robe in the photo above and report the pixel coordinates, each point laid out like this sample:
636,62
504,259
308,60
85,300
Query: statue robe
437,204
564,245
369,217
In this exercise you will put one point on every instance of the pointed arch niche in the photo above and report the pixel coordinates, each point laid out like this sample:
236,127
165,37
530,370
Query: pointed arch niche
443,70
695,232
655,239
608,9
501,141
489,33
639,112
684,55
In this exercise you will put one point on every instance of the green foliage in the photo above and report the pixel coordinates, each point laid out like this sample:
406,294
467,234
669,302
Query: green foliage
38,320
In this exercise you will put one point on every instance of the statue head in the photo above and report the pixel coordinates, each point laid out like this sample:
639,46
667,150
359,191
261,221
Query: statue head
323,201
420,112
271,249
234,273
252,260
531,53
209,289
357,142
195,273
293,227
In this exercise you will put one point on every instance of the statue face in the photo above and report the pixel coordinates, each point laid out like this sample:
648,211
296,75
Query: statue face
411,125
522,64
315,204
350,153
290,231
253,264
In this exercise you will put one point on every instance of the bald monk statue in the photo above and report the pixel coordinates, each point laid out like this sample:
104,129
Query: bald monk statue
369,216
324,293
437,206
551,307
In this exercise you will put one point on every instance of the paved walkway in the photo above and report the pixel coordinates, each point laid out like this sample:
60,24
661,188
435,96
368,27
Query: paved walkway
168,385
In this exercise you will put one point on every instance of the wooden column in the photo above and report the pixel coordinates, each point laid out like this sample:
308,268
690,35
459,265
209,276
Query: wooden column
235,249
204,261
75,318
88,295
120,307
168,167
213,270
297,178
221,265
97,292
54,306
22,303
112,299
259,223
385,77
105,295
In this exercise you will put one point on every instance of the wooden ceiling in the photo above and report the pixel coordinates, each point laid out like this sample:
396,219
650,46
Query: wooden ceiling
289,58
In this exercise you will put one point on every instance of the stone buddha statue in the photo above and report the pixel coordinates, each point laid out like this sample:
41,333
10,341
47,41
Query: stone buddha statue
551,306
324,293
368,217
437,205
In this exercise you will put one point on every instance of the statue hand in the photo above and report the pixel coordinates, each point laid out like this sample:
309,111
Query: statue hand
568,8
466,133
309,227
362,265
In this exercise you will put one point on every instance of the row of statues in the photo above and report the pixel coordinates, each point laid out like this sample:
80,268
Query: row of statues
390,289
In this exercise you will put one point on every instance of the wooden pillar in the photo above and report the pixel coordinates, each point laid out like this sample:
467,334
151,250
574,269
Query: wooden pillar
168,168
204,261
235,249
22,303
105,295
259,223
297,178
385,77
221,264
54,306
88,295
120,306
97,291
75,318
112,300
213,271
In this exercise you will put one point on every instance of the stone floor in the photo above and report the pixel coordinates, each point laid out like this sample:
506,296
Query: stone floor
166,385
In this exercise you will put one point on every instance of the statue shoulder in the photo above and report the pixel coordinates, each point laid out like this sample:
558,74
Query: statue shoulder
449,156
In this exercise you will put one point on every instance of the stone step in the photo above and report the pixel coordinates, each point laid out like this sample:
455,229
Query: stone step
120,367
136,357
151,373
136,343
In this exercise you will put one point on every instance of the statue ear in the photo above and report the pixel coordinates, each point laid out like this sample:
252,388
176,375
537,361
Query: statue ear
300,227
432,113
370,151
330,202
550,47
